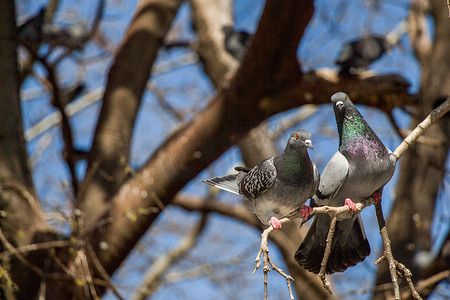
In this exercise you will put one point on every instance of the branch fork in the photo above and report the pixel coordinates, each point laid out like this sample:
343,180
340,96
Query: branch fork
268,262
395,268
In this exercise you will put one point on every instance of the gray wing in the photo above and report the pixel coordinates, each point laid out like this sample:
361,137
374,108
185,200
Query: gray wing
333,177
259,179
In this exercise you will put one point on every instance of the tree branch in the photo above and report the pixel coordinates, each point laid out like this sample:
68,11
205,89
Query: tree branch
309,286
66,129
434,115
127,79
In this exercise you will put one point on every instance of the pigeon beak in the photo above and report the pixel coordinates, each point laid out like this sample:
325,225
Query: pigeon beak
340,105
309,144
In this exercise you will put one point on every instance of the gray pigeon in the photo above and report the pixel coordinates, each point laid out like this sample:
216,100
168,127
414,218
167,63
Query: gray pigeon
279,186
358,170
361,53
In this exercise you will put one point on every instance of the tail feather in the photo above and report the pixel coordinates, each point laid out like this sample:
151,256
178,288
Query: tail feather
228,183
344,254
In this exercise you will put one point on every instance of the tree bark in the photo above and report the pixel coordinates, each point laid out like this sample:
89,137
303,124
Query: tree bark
21,220
108,159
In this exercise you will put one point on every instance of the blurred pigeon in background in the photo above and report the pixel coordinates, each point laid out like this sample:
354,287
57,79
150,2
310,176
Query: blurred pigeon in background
359,54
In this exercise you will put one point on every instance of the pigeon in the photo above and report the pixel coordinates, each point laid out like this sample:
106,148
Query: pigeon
236,42
359,54
279,186
358,170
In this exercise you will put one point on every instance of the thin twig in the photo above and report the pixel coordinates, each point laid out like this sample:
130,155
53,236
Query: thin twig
394,124
162,101
424,284
336,212
65,124
93,257
39,246
394,266
326,255
19,256
264,250
71,109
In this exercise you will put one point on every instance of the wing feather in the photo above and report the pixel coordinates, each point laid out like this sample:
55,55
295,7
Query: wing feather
333,177
259,179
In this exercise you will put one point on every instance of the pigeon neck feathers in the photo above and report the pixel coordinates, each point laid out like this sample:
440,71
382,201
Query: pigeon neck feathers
356,138
293,165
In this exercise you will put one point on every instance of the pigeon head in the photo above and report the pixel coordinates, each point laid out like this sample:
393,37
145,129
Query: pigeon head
300,139
346,112
343,106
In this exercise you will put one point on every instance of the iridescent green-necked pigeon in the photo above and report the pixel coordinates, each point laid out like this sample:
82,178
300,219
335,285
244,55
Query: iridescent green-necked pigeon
279,186
358,170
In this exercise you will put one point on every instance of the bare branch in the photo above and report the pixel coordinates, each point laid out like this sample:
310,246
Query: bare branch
209,17
55,118
434,115
424,284
326,255
394,265
264,250
18,255
39,246
418,29
121,101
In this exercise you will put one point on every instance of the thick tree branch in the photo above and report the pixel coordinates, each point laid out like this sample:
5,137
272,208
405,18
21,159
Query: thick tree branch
418,29
22,220
126,84
209,17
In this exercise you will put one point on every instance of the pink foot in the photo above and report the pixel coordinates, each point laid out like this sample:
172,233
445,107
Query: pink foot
376,197
306,211
276,224
351,205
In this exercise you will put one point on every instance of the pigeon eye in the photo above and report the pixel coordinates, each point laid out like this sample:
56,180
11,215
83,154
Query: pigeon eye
346,98
297,136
